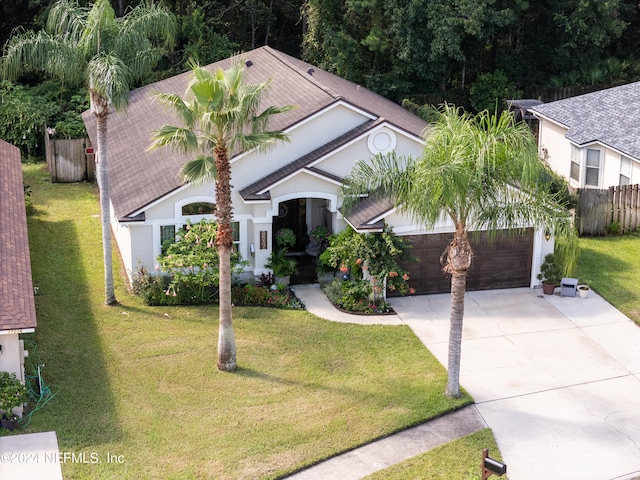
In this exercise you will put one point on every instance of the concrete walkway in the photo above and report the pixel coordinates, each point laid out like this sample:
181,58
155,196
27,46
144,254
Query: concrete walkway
32,456
388,451
556,378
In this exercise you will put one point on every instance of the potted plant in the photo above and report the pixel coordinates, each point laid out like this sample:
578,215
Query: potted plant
550,274
281,265
319,240
583,291
13,393
285,238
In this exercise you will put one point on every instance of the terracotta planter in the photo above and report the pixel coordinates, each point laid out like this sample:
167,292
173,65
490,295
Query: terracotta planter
548,288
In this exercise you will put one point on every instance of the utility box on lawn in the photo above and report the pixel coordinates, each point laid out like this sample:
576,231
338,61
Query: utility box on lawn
568,287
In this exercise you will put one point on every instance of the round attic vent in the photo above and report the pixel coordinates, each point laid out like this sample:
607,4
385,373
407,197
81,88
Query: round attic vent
382,141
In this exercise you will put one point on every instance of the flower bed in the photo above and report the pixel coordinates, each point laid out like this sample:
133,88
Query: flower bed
354,296
279,296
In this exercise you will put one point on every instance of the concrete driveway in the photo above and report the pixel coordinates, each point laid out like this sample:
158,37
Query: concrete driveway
556,378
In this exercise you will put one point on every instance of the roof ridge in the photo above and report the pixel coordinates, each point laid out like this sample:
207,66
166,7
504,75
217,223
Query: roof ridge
308,77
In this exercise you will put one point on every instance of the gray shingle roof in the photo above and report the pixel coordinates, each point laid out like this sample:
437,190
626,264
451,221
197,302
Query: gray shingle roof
138,178
607,116
366,211
17,306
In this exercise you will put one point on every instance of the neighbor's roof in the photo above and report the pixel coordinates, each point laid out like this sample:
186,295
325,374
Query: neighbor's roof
17,306
138,178
609,117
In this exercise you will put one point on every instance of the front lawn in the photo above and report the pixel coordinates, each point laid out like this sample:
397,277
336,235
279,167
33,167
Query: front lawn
137,385
457,460
611,266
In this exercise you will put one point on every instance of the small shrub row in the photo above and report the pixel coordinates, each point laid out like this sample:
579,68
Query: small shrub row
279,296
355,296
162,290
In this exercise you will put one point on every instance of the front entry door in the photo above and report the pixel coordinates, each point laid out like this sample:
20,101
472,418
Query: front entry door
292,214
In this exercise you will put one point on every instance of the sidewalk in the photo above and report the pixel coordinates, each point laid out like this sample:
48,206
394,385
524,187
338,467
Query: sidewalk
368,459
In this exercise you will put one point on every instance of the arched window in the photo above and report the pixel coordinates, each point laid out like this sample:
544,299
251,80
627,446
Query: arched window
199,208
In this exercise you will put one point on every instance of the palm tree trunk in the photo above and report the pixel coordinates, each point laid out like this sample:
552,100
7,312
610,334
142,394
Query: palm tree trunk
103,185
459,255
224,244
226,338
456,315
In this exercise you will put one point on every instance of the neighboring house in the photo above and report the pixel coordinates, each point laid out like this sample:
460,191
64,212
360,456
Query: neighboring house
294,185
17,306
593,140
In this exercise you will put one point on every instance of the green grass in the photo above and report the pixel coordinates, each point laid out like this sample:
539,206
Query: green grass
457,460
140,382
611,267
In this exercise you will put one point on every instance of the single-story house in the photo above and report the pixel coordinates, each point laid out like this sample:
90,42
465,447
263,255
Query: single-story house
592,139
17,305
294,185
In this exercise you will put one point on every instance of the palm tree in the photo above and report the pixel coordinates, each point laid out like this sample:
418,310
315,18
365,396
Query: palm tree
110,54
221,115
482,173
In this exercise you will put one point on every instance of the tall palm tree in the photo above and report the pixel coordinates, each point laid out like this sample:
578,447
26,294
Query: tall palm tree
220,115
109,54
481,172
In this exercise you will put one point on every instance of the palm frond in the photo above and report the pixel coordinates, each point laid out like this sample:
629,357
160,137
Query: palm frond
208,92
153,22
260,121
183,109
52,54
100,29
199,170
382,176
67,18
182,140
221,113
259,140
110,78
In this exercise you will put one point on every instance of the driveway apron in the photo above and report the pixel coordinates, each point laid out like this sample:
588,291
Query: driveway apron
556,378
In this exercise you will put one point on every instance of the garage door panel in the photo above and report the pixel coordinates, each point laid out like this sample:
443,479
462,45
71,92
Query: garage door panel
504,262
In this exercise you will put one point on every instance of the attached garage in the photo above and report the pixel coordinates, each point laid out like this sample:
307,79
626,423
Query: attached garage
503,262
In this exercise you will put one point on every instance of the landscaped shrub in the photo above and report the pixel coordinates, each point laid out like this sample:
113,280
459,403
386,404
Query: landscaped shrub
355,296
378,253
262,296
158,289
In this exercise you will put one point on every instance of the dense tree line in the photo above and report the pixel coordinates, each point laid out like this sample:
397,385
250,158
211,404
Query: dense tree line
468,52
440,48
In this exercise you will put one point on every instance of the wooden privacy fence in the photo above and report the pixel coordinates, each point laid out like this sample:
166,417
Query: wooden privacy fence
68,160
599,209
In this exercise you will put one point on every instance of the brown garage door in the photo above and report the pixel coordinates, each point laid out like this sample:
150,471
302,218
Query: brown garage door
504,262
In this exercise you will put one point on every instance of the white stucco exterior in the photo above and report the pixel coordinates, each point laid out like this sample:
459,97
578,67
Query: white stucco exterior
336,124
139,241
